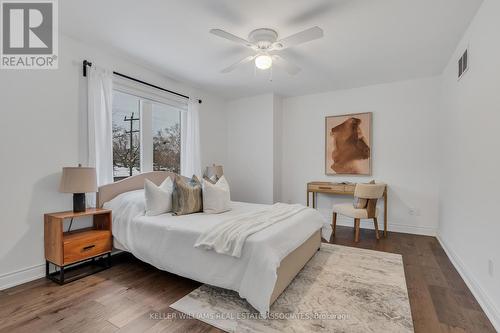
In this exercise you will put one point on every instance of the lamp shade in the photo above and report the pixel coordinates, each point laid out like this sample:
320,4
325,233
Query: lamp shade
78,180
215,170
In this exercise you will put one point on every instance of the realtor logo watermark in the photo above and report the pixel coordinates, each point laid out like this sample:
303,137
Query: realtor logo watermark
29,34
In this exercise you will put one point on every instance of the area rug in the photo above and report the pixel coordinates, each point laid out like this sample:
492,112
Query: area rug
341,289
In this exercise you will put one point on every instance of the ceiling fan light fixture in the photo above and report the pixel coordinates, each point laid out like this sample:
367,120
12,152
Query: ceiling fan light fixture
265,44
263,61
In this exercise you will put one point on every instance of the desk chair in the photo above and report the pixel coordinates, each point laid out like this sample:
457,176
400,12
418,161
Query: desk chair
364,207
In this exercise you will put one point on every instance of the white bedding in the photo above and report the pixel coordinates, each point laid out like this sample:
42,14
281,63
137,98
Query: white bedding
229,236
167,242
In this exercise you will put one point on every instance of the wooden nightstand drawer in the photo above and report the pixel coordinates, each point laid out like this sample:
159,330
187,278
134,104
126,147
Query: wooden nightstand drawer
328,187
86,244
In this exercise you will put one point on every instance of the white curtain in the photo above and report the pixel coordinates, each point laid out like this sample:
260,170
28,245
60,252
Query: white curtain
100,141
190,148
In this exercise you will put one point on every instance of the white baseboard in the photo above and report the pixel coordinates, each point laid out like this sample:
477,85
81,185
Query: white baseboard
492,312
396,227
12,279
21,276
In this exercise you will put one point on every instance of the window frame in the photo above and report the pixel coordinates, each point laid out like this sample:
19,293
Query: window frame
149,96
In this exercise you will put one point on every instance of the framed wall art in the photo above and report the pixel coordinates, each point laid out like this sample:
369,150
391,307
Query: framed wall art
348,144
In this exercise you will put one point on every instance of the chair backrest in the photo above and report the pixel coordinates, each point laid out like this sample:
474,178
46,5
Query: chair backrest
369,191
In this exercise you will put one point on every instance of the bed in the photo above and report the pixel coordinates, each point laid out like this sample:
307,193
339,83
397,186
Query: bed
270,259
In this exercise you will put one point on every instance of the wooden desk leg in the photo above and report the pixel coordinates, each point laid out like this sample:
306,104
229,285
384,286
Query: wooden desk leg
314,199
385,213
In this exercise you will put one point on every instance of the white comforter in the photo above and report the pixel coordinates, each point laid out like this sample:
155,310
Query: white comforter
167,242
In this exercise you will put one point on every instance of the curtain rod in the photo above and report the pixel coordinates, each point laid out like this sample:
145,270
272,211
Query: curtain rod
88,63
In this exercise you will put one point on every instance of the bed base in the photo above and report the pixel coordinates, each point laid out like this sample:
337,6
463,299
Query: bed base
292,264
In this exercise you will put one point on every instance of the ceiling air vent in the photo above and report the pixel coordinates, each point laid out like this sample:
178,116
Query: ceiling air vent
463,64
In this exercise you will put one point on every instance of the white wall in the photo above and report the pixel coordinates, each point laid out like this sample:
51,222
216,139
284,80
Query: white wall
250,136
404,149
278,146
470,162
43,129
213,131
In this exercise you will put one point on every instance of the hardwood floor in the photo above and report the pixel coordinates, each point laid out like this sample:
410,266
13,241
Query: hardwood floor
127,297
439,298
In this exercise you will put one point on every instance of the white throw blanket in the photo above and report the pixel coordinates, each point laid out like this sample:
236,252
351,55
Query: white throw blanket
229,236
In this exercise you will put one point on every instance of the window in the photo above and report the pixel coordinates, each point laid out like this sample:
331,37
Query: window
146,135
126,135
166,138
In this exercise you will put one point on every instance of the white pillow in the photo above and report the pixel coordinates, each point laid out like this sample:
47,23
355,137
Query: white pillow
158,198
216,197
127,205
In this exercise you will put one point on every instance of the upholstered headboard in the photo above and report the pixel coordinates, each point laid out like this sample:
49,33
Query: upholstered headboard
109,191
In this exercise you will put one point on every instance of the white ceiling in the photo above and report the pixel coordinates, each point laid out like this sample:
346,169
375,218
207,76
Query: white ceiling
365,42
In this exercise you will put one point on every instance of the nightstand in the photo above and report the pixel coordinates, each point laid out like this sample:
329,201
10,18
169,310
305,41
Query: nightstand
67,251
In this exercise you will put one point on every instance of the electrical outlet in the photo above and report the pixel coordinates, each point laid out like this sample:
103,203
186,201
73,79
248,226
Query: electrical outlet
491,269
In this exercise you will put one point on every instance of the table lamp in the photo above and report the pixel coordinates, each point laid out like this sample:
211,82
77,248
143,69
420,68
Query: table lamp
214,170
78,180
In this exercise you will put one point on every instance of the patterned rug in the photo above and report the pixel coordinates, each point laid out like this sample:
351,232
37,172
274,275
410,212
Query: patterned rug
341,289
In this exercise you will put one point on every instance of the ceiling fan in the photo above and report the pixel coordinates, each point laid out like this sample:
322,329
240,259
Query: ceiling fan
266,45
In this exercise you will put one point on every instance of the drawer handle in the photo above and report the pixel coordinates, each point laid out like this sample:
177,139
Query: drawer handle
88,248
325,188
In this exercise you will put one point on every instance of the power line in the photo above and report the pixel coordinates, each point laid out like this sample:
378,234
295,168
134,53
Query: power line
131,133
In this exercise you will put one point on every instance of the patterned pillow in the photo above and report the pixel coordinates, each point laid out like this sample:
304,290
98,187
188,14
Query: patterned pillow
212,180
187,197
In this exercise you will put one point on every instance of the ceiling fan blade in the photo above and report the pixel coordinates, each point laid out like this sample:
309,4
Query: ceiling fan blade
286,65
231,37
236,64
299,38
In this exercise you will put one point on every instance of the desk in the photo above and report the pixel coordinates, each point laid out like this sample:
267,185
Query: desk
339,189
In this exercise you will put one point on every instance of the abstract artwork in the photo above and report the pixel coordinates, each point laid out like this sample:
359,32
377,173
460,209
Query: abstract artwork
348,144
